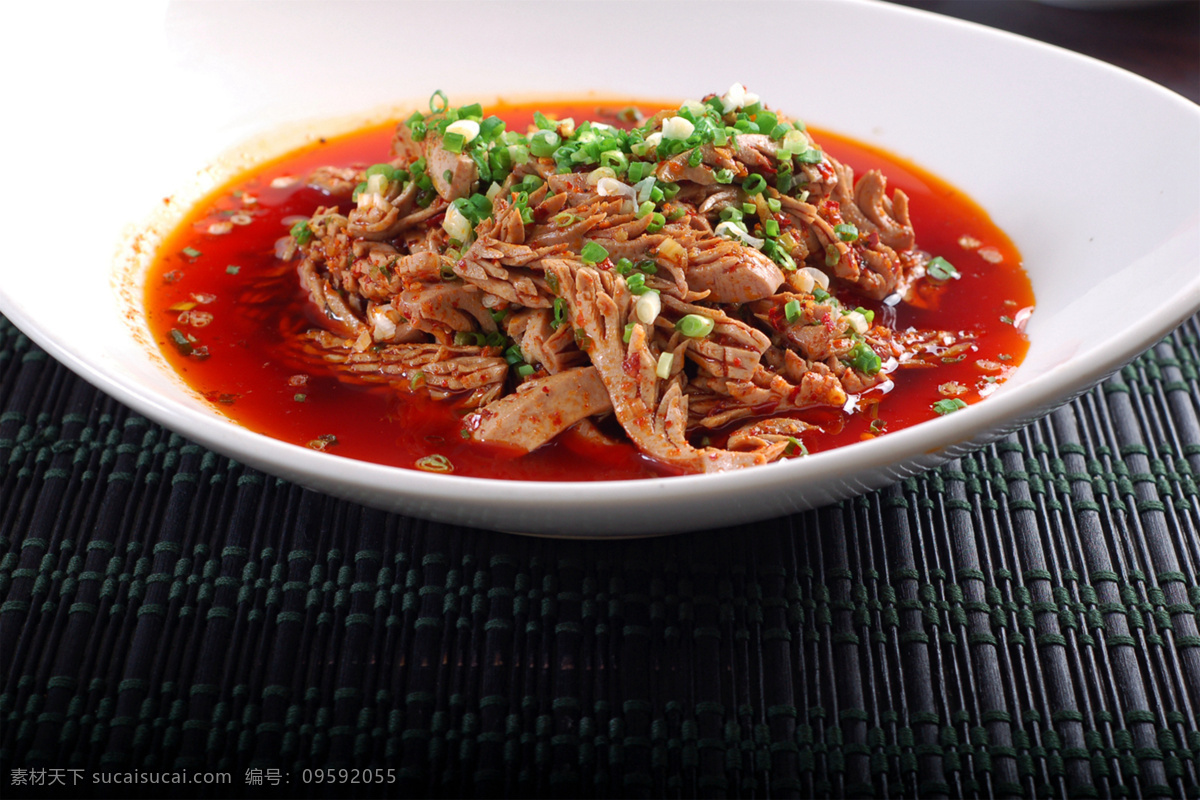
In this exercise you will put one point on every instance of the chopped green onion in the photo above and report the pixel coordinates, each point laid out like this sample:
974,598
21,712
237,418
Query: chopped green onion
771,227
192,252
940,269
864,359
723,176
543,143
615,160
637,171
490,128
783,181
820,295
676,212
948,406
796,447
846,232
695,157
774,205
593,253
181,342
628,332
755,184
453,142
299,398
810,156
647,266
379,169
560,307
749,208
878,426
731,214
543,122
624,266
657,221
473,111
301,232
694,326
525,370
832,255
232,269
665,362
644,209
434,107
637,284
792,311
435,463
867,313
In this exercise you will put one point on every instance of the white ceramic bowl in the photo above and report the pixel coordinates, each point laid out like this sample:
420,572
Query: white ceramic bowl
1091,170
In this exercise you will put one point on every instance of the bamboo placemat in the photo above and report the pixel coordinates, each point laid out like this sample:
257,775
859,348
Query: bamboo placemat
1022,622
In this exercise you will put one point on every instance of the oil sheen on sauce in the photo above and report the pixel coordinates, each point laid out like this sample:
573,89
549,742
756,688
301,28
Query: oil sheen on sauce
218,282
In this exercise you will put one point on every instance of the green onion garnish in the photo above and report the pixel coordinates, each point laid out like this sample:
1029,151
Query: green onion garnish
453,142
694,326
232,269
435,463
637,284
434,106
948,406
865,360
593,253
755,184
181,342
192,252
796,447
543,143
792,311
846,232
940,269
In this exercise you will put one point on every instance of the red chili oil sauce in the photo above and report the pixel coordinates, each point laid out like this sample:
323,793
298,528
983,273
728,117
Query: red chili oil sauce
245,311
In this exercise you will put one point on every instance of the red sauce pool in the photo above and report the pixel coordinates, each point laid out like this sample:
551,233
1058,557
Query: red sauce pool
232,295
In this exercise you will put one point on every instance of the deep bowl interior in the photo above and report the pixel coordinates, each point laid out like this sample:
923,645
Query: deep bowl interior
1090,170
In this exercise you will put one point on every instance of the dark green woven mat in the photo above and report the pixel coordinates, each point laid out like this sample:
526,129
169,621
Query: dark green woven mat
1022,621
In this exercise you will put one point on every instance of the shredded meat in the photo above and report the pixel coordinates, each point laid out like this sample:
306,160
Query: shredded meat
702,292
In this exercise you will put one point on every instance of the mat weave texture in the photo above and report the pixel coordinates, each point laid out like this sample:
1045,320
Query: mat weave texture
1020,622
